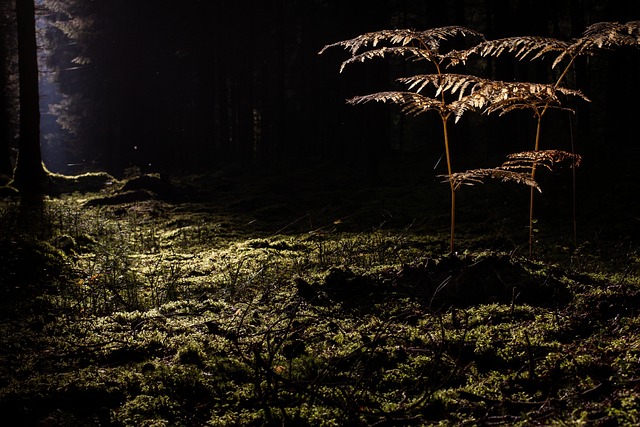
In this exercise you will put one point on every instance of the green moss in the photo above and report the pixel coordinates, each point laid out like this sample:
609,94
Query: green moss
148,313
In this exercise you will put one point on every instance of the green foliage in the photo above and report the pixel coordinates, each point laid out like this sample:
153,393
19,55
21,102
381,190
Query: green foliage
319,326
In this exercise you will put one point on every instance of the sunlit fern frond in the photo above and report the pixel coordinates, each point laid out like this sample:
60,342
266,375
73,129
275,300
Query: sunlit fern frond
522,47
545,158
415,104
509,96
491,96
476,101
530,102
451,83
604,35
633,29
475,176
465,86
411,103
427,39
401,37
413,53
572,92
609,34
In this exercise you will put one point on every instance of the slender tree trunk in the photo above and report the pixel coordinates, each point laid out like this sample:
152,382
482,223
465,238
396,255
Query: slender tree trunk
6,168
29,175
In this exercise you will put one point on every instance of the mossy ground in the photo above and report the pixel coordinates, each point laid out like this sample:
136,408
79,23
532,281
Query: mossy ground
254,299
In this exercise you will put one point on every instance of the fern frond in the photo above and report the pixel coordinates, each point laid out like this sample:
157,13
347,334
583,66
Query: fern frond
413,53
522,47
475,176
464,85
536,104
508,171
412,103
475,93
633,29
451,83
546,158
428,39
604,35
608,34
415,104
510,96
476,101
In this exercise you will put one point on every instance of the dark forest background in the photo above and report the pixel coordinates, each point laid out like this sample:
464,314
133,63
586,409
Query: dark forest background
182,86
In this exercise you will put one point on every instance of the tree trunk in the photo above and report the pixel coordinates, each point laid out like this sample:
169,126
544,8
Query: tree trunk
29,175
6,168
7,26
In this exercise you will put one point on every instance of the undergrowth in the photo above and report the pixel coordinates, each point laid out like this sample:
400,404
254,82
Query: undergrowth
159,314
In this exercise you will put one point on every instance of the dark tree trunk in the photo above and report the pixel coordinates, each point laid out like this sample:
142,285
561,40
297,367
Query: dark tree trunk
6,35
6,168
29,174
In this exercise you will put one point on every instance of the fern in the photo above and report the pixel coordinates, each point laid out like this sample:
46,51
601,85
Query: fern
546,158
522,47
539,97
451,83
429,39
455,94
413,53
417,45
474,176
412,103
509,170
603,35
533,96
490,96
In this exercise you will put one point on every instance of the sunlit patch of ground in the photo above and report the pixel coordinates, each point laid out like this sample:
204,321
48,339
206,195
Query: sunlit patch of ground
318,305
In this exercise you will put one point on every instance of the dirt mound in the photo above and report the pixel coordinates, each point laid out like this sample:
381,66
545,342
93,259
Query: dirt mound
445,281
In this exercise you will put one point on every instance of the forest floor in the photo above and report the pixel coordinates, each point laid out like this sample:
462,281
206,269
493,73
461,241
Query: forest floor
313,297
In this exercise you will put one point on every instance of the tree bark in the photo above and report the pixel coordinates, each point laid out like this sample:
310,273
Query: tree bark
6,59
29,175
6,168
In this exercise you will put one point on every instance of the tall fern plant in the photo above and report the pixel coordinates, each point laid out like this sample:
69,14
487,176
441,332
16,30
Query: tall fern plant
597,36
425,46
451,95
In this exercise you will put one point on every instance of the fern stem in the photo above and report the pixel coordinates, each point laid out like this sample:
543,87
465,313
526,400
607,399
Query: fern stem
531,197
573,165
537,147
573,186
445,119
453,218
533,176
564,73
